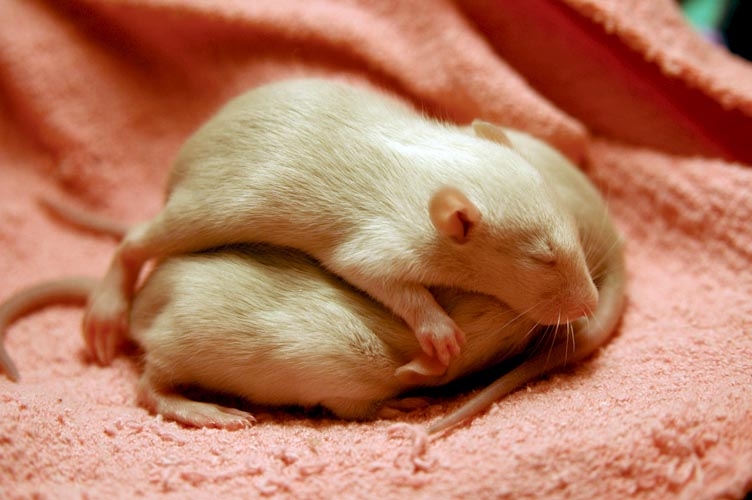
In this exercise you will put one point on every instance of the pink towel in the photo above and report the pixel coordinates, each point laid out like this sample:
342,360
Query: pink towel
97,96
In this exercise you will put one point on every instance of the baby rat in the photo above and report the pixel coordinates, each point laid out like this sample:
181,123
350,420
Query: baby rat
270,325
279,330
605,259
388,200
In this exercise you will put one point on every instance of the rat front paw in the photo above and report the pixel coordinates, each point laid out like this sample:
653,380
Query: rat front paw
442,340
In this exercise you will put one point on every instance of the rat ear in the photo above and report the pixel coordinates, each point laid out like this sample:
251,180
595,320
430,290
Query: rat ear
487,130
452,214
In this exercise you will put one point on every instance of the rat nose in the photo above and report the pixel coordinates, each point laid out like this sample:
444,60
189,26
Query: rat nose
584,304
567,308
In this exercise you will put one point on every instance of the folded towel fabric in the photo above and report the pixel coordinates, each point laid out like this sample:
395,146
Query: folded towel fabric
97,96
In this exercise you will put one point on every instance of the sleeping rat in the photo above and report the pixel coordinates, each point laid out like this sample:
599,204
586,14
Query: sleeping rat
388,200
191,304
605,259
271,326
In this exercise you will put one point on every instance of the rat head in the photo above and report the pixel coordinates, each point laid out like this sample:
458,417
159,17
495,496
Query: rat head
522,247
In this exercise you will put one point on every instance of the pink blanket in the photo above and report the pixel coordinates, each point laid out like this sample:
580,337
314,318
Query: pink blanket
97,96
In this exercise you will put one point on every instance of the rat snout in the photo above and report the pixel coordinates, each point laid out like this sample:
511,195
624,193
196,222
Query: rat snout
579,296
568,303
580,304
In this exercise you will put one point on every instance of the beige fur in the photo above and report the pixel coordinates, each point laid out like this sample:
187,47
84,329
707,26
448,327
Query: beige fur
348,176
273,327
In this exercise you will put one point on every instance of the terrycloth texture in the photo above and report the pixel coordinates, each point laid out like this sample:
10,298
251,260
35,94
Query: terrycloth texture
97,96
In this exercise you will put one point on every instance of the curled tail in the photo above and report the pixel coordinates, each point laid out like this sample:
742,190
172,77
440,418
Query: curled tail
589,335
85,219
74,290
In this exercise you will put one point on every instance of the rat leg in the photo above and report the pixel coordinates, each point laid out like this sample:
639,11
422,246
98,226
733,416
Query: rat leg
173,406
174,230
105,322
437,333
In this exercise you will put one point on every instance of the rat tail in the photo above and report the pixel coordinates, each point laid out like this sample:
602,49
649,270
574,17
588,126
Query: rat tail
74,290
589,334
84,219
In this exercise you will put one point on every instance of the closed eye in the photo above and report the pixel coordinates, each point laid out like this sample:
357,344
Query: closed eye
547,259
543,253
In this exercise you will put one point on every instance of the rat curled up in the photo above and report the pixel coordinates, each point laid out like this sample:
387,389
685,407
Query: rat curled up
325,245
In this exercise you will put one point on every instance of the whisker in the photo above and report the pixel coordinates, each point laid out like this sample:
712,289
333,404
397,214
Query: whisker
523,339
540,337
519,316
526,311
553,338
570,332
596,268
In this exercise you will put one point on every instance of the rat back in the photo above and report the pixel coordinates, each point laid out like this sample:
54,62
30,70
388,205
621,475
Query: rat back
347,175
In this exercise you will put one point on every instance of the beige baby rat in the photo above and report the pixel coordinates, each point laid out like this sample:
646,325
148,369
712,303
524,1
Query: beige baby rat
273,327
388,200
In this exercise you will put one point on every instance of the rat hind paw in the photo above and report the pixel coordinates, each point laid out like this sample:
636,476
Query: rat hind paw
176,407
105,325
200,414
